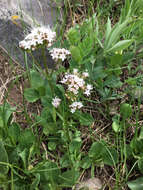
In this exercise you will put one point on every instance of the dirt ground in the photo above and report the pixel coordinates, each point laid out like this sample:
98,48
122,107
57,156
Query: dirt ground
10,73
12,83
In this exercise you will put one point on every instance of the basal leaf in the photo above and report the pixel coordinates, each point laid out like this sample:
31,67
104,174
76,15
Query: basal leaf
108,29
31,95
36,79
3,159
136,184
121,45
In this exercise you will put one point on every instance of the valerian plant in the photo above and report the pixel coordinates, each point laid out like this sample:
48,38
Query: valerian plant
50,153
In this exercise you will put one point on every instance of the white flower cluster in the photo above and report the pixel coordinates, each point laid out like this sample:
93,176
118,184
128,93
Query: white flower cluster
56,102
76,82
38,36
75,105
59,54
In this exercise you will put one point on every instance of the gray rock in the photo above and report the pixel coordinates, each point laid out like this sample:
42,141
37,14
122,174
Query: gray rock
35,12
90,184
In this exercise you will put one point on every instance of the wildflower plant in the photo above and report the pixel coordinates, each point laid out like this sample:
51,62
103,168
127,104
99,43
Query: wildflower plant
64,137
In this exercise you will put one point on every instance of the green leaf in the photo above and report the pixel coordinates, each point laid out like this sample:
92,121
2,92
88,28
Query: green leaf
52,146
108,29
110,156
126,110
35,182
136,184
84,118
137,146
31,95
69,178
115,34
24,157
86,163
26,139
36,79
123,44
76,54
100,151
140,164
14,132
73,36
6,114
141,133
4,159
96,150
113,82
75,145
49,172
115,126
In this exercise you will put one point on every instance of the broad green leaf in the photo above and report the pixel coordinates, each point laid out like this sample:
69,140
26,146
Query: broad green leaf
31,95
69,178
76,54
113,82
3,159
26,139
84,118
136,184
137,146
126,110
6,114
49,172
36,79
110,156
14,132
107,155
96,150
123,44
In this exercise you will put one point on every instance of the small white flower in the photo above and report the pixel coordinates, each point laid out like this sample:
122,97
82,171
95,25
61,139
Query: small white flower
75,105
75,71
56,102
87,93
73,110
85,74
88,89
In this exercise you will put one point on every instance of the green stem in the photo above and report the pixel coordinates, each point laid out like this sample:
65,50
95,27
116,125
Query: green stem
45,60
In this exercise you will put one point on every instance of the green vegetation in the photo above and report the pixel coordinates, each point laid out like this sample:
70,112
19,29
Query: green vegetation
89,118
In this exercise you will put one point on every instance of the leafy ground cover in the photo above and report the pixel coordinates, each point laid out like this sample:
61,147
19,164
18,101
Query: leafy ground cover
82,119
